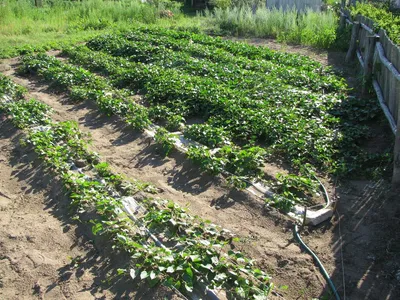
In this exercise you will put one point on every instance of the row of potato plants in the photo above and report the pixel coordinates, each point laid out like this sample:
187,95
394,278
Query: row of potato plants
238,164
301,128
195,252
246,162
198,59
346,116
83,85
235,48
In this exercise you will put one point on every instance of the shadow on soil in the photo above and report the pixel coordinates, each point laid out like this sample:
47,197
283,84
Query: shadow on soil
101,260
183,176
366,242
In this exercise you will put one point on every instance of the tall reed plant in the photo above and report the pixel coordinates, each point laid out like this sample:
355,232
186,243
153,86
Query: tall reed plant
311,28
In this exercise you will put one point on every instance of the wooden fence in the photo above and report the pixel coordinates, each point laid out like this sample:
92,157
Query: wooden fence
379,58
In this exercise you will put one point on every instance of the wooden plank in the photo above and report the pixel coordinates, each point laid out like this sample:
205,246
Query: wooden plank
393,52
368,64
377,70
396,160
351,53
392,96
386,86
387,75
396,85
363,37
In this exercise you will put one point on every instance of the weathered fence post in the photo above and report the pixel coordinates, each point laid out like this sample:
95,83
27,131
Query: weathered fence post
368,62
351,53
396,160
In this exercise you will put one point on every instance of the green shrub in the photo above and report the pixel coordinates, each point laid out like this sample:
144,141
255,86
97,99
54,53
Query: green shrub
382,17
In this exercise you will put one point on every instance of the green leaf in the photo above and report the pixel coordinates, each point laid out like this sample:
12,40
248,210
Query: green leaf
170,269
134,273
257,271
241,292
136,245
121,238
207,266
189,272
97,228
153,282
121,271
169,258
144,275
188,286
220,277
153,275
205,242
215,260
195,258
283,287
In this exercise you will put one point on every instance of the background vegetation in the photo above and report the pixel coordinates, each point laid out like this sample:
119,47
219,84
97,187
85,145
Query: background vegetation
59,22
23,26
382,16
308,28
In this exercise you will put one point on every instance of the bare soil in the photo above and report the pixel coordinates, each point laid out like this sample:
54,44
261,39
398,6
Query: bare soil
364,241
42,255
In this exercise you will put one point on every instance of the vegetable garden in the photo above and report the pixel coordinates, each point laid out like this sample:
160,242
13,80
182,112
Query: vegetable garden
240,107
254,104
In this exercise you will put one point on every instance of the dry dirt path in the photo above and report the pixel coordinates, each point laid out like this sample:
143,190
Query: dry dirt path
41,254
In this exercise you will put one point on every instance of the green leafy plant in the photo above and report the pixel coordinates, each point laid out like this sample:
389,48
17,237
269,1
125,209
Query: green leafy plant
7,87
165,140
174,122
26,113
293,189
207,135
383,18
